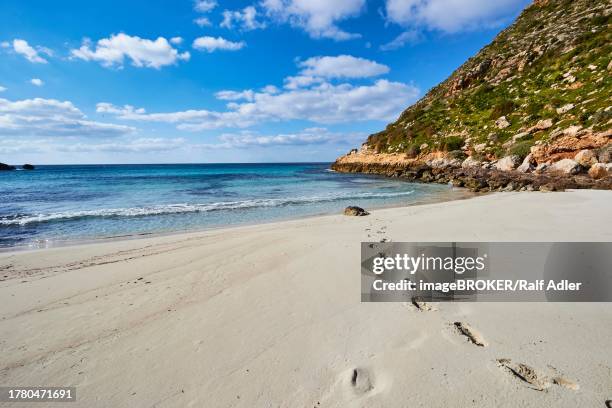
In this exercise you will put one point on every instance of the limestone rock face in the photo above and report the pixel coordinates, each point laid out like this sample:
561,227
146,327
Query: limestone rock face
527,165
441,163
605,154
519,136
541,125
508,163
480,147
598,171
542,167
502,123
566,166
570,131
565,108
566,147
470,162
355,211
586,158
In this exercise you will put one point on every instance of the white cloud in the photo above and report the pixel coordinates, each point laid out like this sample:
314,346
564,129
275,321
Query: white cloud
19,145
37,82
341,66
315,136
310,136
407,37
112,51
247,139
204,6
245,19
2,88
211,44
115,110
123,145
50,117
317,70
5,44
270,89
327,103
137,145
301,81
450,15
45,50
176,40
324,103
23,48
307,96
193,119
202,21
235,96
318,18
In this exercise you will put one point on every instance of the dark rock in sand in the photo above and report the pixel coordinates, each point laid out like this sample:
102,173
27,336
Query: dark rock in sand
28,167
355,211
6,167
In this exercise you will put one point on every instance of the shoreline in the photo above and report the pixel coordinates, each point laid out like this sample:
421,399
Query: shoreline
474,175
214,318
467,194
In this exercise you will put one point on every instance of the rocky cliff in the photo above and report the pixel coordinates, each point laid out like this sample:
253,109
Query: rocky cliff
536,101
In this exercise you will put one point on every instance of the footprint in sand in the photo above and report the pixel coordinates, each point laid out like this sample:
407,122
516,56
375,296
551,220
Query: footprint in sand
536,380
567,383
422,306
525,373
379,232
361,381
472,334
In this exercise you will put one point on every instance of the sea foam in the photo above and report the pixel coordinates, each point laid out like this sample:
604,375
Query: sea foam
23,219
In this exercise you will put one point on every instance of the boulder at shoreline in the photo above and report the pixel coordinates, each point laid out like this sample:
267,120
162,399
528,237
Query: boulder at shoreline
355,211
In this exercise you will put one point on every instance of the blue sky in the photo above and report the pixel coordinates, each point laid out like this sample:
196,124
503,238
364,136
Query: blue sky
222,81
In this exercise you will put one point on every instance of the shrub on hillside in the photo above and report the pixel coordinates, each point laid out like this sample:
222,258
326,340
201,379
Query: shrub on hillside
521,149
452,143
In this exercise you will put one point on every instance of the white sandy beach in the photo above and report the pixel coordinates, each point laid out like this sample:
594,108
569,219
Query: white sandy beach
270,316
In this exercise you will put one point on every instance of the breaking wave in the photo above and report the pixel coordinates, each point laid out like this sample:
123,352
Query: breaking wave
24,219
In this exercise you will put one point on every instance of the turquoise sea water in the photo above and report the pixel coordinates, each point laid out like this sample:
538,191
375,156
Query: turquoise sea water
56,204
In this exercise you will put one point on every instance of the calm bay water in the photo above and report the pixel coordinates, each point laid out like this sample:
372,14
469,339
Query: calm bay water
55,204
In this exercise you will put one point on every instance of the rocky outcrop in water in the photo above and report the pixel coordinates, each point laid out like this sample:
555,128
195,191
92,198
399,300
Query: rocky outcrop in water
4,167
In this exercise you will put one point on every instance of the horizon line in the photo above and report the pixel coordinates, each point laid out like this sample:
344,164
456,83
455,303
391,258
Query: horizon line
168,164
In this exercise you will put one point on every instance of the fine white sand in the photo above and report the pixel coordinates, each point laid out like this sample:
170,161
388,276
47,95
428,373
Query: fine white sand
270,316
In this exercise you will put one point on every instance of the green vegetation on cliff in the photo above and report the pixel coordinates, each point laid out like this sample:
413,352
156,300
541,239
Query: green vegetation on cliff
548,71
